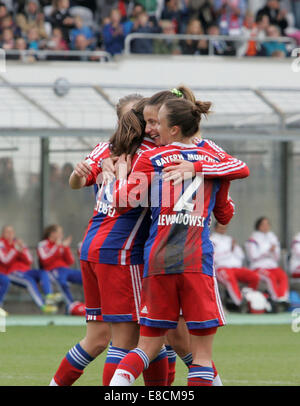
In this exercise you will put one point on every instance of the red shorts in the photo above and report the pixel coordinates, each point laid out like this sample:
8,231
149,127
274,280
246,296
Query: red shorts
112,292
195,293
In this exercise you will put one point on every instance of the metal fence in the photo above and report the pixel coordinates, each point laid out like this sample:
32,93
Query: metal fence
238,40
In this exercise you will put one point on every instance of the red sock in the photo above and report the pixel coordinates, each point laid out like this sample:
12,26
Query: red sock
67,374
113,358
200,376
157,373
172,364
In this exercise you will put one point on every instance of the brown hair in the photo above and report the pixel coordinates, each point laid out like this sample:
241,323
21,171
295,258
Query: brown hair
134,97
130,132
159,98
186,115
49,230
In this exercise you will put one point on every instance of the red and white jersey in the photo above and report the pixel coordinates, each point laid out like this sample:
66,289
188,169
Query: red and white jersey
227,167
52,255
227,254
259,250
111,237
294,264
12,259
179,233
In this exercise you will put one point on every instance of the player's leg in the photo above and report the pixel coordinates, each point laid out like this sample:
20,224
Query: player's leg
60,277
4,285
201,372
227,277
282,284
42,277
97,333
178,342
203,312
74,276
82,354
160,309
137,360
247,276
24,279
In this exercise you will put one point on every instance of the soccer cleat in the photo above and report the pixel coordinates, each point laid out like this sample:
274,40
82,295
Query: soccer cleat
49,309
53,298
76,309
3,313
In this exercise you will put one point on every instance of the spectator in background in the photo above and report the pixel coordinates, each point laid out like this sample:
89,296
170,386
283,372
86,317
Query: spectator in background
253,28
191,46
294,262
55,256
228,260
277,16
8,22
8,41
33,38
230,15
115,32
61,17
3,13
263,252
16,261
174,13
8,184
81,29
274,48
56,43
143,25
220,47
295,5
32,17
150,6
207,15
166,46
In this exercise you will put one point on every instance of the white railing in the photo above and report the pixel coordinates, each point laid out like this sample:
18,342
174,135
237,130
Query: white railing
241,39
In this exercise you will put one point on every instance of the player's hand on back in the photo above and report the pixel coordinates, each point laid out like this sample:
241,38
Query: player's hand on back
178,172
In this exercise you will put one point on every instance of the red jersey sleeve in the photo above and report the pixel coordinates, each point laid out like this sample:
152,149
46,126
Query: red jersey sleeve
229,168
68,256
224,205
133,192
47,255
94,159
25,256
7,257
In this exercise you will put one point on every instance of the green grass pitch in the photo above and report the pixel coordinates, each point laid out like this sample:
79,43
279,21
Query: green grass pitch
247,355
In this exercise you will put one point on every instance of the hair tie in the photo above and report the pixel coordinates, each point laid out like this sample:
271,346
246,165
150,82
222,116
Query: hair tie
177,92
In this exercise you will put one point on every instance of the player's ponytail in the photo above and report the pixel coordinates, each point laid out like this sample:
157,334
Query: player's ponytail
186,115
130,132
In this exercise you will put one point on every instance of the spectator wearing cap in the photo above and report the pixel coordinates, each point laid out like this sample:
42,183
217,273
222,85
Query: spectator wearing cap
276,14
32,17
115,31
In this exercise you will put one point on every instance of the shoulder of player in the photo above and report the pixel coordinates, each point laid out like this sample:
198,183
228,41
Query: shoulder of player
97,152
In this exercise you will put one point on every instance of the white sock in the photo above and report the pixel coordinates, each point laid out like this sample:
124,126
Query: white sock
217,381
53,383
122,377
